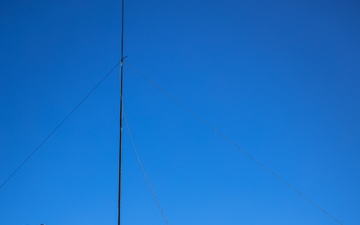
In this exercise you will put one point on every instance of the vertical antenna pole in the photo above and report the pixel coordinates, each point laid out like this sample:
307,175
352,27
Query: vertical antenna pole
121,107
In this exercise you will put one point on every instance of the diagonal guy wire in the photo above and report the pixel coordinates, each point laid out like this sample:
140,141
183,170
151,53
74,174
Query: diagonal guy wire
282,180
56,128
144,172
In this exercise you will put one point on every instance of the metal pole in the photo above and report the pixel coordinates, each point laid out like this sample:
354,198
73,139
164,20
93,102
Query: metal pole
121,108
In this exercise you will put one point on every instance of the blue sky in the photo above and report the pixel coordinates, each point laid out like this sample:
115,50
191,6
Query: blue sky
279,78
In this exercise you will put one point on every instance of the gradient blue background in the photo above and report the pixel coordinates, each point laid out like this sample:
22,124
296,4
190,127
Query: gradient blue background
280,78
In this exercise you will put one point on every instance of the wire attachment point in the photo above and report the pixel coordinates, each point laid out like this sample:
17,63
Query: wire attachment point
122,60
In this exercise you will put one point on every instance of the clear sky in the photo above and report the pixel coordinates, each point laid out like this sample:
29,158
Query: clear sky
279,78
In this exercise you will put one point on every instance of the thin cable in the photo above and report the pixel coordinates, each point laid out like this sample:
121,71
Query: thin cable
172,97
143,171
57,127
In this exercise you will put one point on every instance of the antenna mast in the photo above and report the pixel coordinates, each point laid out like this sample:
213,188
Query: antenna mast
121,107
